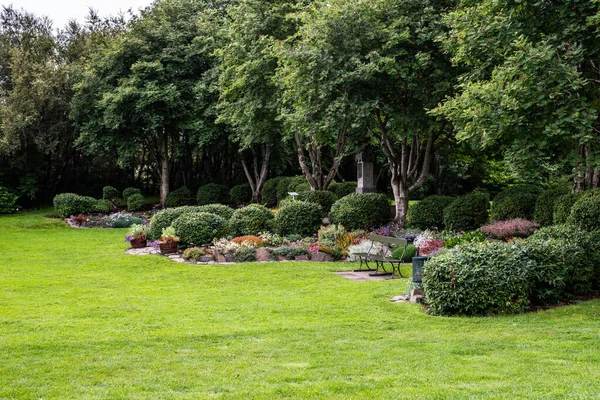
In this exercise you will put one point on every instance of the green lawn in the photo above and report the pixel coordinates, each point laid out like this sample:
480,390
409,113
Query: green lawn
80,319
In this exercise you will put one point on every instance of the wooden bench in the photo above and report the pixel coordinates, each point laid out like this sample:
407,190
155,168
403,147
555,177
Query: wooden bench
389,243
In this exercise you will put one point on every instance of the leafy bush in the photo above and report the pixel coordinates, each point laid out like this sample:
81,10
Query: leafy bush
475,236
199,228
468,212
251,220
221,210
289,252
241,194
324,198
478,279
298,184
562,207
130,192
515,202
404,255
212,193
110,193
361,211
283,188
68,204
164,218
269,192
342,189
512,228
299,217
135,202
7,201
585,213
179,197
544,206
193,253
124,221
103,206
429,212
303,187
245,254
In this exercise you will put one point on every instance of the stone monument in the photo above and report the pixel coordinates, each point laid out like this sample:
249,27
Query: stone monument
364,172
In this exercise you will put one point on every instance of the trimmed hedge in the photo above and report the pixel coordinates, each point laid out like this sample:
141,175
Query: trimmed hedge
164,218
585,213
562,207
8,201
467,213
361,211
251,220
428,213
515,202
199,228
110,193
130,191
283,188
268,193
405,255
103,206
221,210
343,189
544,206
69,204
324,198
212,193
241,194
135,202
299,217
179,197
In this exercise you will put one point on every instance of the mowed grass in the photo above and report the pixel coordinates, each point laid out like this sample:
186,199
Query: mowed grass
80,319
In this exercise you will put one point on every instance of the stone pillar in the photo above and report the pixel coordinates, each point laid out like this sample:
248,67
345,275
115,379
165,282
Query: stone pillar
364,172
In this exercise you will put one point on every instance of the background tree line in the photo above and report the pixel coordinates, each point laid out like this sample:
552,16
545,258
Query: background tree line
449,96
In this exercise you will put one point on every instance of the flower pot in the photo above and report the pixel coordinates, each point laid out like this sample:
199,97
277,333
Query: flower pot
168,248
417,268
138,243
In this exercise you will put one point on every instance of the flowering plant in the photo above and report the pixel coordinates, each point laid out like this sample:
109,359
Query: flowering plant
313,247
505,230
137,231
168,236
388,230
249,241
423,238
431,247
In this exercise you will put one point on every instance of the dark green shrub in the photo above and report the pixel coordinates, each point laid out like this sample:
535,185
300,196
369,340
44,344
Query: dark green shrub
585,213
251,220
212,193
299,217
221,210
269,192
361,211
179,197
478,279
193,253
303,187
7,201
245,254
199,228
130,191
475,236
515,202
241,194
544,206
135,202
405,255
69,204
428,213
124,221
103,206
467,213
342,189
297,184
110,193
283,188
289,252
164,219
562,207
324,198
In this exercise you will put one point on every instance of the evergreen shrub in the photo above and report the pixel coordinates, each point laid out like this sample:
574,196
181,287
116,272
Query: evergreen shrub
428,213
135,202
179,197
515,202
8,201
199,228
361,211
468,212
544,206
299,217
241,194
69,204
324,198
212,193
251,220
585,213
110,193
130,191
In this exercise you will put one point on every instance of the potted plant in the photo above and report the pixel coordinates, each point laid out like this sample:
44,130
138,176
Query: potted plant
137,236
168,241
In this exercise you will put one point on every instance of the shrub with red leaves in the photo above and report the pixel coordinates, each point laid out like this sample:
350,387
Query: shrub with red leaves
253,241
431,247
512,228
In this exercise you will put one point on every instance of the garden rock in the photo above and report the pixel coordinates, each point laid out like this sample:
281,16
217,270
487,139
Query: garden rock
319,256
263,255
301,258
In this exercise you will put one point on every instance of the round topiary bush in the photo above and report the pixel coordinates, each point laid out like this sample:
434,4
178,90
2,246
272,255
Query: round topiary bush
164,219
515,202
103,206
179,197
361,211
7,201
241,194
110,193
467,213
221,210
585,213
212,193
69,204
342,189
428,213
199,228
130,191
283,188
544,206
135,202
478,279
562,207
251,220
268,194
299,217
406,255
324,198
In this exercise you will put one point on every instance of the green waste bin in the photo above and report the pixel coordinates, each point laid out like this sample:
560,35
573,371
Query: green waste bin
417,268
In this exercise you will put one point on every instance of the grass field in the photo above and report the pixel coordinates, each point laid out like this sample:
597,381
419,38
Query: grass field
80,319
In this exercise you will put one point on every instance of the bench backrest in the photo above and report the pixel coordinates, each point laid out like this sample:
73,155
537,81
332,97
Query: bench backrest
388,240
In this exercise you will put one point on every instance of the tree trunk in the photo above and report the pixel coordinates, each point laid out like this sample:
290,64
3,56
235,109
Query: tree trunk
401,196
257,178
316,179
163,151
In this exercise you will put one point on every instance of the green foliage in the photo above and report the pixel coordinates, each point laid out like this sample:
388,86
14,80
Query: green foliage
269,192
289,252
193,253
69,204
406,256
200,228
475,236
130,191
585,213
135,202
428,213
103,206
110,193
302,187
283,188
241,194
562,207
324,198
342,189
179,197
478,279
515,202
544,206
245,254
124,221
164,218
7,201
221,210
361,211
299,217
212,193
251,220
468,212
